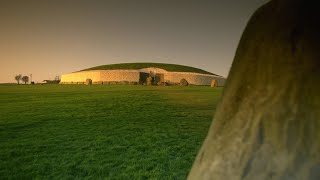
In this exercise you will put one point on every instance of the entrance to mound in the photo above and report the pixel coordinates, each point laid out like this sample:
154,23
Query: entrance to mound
156,77
143,77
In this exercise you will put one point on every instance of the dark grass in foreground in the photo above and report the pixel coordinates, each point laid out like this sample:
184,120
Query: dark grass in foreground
113,132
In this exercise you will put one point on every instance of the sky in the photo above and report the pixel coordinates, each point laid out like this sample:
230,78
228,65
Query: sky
47,38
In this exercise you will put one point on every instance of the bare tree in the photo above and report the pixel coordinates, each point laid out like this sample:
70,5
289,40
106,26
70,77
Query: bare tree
57,78
25,79
18,78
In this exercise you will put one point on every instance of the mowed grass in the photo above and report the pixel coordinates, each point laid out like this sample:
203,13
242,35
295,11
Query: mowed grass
101,131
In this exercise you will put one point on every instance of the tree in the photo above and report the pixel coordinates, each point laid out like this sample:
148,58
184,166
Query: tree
25,79
57,78
267,125
18,78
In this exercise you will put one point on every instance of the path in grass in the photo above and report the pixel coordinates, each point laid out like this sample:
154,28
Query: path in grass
116,132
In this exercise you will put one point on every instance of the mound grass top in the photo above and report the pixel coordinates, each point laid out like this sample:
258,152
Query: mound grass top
167,67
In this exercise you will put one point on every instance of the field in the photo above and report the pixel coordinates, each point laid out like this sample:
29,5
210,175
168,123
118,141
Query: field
102,131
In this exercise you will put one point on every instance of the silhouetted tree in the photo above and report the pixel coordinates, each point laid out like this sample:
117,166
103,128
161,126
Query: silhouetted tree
25,79
18,78
57,78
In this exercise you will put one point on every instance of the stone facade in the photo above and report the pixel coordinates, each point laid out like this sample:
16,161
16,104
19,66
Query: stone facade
193,78
136,76
101,76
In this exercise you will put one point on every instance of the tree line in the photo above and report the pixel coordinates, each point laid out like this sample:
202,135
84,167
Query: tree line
19,78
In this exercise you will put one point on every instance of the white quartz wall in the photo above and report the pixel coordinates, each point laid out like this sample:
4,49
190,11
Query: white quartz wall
101,75
134,76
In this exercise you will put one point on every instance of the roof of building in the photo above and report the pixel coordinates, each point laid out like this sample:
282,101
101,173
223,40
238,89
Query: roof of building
167,67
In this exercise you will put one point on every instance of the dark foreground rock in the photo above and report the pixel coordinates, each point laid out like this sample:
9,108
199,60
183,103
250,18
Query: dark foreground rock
268,123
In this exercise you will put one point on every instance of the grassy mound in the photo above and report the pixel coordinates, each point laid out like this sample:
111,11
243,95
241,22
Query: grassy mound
168,67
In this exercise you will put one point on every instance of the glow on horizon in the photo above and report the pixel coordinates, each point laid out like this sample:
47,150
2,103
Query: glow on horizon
49,38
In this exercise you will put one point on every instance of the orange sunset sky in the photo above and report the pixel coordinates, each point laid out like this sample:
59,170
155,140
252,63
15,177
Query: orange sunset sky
48,38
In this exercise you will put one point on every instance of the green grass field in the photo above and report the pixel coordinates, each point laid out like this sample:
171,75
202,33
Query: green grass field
102,131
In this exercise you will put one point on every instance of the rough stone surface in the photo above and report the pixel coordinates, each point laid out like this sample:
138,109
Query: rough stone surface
267,125
183,82
192,78
133,83
135,76
162,84
149,81
113,82
88,82
214,83
123,82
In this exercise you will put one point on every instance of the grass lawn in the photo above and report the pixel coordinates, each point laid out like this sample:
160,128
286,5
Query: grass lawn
102,131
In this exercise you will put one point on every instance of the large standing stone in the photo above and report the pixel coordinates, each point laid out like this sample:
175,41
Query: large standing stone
267,125
214,83
183,82
149,81
88,82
